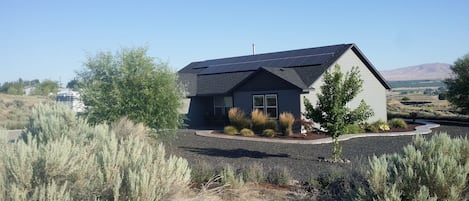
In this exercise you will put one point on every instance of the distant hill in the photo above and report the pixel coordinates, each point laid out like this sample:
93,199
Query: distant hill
432,71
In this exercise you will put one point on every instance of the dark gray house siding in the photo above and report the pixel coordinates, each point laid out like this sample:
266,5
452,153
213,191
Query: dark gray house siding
287,100
265,83
200,108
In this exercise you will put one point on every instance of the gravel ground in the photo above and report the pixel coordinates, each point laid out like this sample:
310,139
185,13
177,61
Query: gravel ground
301,160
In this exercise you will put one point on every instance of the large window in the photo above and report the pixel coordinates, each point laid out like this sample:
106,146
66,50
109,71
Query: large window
221,105
266,103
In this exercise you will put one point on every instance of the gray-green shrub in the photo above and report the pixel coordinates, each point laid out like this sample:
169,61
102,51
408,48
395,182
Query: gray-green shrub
397,123
253,173
230,178
201,172
63,158
435,169
278,176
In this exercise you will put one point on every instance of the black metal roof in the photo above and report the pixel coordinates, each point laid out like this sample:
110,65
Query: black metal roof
299,67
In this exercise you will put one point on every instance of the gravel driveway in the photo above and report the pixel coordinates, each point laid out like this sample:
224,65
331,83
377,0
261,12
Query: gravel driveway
301,160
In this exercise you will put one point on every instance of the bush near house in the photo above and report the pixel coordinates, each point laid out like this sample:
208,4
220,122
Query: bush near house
246,132
286,123
271,124
377,126
258,120
353,129
231,130
397,123
269,133
238,118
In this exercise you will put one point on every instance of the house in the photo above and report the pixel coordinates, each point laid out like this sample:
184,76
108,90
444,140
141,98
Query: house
274,83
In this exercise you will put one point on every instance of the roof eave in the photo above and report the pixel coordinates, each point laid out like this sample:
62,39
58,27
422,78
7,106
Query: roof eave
372,68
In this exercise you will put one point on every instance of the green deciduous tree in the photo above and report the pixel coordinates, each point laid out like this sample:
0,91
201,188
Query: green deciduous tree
73,84
13,88
458,85
46,87
331,110
130,83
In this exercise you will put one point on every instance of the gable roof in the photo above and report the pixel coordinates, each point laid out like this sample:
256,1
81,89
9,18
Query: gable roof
299,67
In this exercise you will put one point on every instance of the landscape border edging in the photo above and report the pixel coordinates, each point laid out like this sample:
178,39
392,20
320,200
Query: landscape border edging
423,129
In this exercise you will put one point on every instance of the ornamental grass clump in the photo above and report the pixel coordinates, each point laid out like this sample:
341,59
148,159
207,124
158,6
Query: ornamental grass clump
269,133
271,124
64,158
246,132
433,169
397,123
238,118
230,130
286,123
377,126
258,120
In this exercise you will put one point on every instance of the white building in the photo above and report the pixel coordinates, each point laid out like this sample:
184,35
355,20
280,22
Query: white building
70,98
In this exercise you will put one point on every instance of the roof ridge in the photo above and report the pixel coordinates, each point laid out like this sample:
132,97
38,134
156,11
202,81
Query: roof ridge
267,53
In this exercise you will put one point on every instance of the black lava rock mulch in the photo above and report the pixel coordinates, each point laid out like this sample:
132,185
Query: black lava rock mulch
302,160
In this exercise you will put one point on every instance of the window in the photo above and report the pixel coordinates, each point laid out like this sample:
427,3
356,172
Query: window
266,103
258,102
221,105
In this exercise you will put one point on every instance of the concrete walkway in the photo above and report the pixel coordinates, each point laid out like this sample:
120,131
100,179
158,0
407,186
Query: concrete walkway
423,129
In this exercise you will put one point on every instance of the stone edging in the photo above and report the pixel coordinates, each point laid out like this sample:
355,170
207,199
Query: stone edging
424,129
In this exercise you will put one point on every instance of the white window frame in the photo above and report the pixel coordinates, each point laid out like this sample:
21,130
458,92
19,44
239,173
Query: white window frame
265,106
275,106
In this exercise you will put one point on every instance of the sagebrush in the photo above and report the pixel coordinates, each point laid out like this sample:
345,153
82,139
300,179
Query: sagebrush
434,169
63,158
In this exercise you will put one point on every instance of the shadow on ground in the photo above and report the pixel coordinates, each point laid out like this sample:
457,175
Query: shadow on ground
233,153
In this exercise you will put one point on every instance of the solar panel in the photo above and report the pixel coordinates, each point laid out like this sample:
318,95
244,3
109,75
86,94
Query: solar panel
293,58
239,65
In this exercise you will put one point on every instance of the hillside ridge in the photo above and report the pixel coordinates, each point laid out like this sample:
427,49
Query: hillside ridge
429,71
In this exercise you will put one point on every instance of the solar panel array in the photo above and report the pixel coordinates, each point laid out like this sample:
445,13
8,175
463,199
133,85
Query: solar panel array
303,57
277,62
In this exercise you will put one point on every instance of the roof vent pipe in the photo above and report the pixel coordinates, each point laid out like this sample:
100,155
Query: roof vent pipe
253,49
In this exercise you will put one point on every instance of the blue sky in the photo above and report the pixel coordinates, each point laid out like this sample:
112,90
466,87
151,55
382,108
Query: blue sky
52,39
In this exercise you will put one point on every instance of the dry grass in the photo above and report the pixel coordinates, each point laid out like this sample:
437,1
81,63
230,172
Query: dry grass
436,109
286,122
258,119
14,109
238,118
252,192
